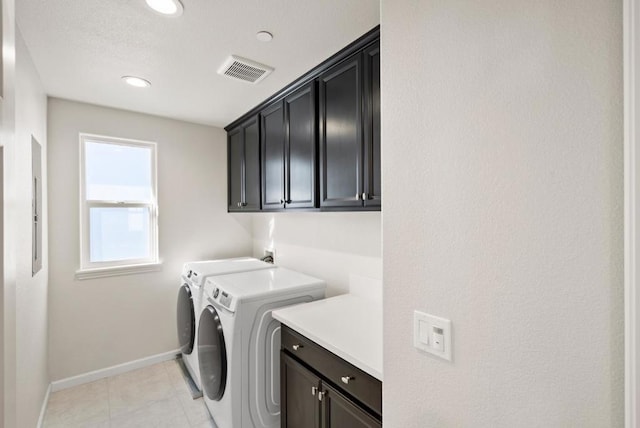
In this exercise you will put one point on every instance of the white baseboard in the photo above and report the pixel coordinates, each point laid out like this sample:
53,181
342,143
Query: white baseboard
45,402
112,371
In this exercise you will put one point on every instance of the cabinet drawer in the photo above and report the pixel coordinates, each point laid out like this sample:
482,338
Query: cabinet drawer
345,376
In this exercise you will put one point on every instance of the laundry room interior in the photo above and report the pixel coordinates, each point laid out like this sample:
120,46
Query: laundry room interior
261,214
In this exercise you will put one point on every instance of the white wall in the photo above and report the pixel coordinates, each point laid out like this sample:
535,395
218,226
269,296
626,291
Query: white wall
3,346
98,323
31,292
9,207
502,124
330,246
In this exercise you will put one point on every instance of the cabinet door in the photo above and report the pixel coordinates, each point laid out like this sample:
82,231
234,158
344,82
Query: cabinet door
251,200
298,395
272,122
341,135
300,166
235,175
372,183
340,412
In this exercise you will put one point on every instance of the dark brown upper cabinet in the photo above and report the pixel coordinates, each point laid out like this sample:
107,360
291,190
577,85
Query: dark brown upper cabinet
301,148
288,138
316,141
372,196
349,115
340,116
243,148
272,145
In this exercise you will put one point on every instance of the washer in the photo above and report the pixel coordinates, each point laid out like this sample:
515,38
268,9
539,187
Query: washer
239,343
193,277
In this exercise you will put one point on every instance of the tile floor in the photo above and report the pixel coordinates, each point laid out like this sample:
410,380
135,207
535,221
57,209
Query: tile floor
154,396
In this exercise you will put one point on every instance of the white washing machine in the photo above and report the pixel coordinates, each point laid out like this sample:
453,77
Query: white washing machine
239,343
194,275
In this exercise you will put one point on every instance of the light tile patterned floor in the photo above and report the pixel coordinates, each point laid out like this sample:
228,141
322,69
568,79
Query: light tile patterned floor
155,396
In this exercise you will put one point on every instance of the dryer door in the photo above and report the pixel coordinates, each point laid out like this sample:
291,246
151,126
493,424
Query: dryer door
186,320
212,354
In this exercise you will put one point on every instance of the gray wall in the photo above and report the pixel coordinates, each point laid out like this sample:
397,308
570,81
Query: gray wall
502,125
24,376
31,291
24,298
102,322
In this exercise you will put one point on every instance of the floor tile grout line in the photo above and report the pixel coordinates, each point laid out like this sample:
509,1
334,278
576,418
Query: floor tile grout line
109,397
172,395
184,411
131,413
175,392
59,420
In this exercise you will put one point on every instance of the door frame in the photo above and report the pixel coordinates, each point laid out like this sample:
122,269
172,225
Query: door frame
631,46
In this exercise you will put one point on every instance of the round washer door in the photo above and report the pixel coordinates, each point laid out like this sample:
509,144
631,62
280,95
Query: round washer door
212,354
186,320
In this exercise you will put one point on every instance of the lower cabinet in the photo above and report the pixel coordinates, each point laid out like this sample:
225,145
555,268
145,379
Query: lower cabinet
299,405
339,411
310,397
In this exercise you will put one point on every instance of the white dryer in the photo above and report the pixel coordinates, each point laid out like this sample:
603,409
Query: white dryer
239,343
193,277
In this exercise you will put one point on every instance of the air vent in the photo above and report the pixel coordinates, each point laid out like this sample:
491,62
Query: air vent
244,69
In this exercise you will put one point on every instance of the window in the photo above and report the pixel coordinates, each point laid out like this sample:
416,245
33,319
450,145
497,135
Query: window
118,206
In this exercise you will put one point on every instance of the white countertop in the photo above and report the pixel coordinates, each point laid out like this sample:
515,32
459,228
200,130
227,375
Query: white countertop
350,326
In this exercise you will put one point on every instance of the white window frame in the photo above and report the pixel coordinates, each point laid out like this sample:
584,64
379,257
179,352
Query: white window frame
90,269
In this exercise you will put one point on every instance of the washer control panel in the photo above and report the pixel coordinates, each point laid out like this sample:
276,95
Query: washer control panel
223,298
196,278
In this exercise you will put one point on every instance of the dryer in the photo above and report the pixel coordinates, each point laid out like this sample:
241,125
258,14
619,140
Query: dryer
189,306
239,343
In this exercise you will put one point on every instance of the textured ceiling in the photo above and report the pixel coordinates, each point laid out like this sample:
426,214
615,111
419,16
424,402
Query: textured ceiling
81,48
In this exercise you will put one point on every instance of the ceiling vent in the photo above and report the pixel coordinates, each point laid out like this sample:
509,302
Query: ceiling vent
244,69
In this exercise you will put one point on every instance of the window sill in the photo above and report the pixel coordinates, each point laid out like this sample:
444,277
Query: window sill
83,274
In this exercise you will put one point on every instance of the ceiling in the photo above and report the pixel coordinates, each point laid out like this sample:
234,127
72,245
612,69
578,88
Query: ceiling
81,48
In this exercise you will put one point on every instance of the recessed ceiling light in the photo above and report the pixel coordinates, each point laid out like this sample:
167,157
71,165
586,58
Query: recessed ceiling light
264,36
166,7
138,82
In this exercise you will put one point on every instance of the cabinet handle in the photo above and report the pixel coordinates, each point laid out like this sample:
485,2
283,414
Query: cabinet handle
296,347
314,390
358,196
346,379
239,204
244,204
281,201
321,395
365,197
288,201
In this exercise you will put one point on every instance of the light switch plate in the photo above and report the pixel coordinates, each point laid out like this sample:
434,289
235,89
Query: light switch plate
426,334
